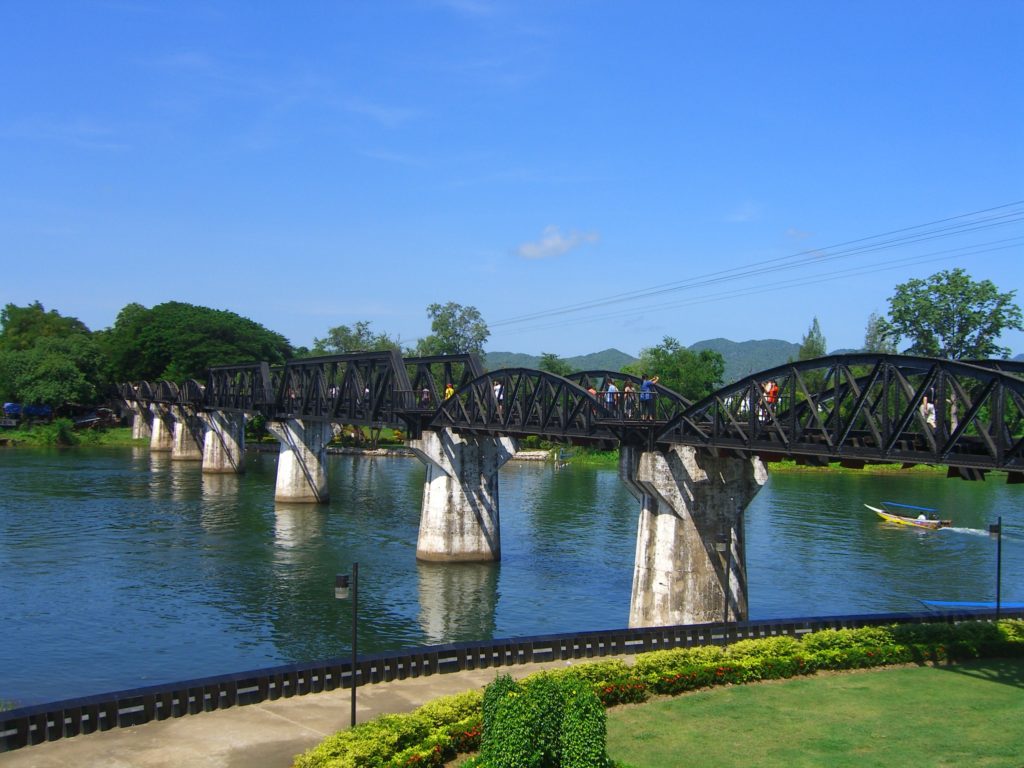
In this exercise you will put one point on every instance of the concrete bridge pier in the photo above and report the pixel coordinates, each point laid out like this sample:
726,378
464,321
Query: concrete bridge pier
141,430
690,563
459,514
224,442
161,438
187,442
302,462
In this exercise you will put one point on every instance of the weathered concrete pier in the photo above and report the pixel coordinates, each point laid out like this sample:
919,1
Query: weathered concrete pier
459,514
690,565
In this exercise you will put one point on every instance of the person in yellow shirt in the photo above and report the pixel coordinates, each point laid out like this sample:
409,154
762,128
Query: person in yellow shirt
449,390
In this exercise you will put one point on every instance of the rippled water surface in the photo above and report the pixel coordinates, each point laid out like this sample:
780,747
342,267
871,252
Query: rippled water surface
121,568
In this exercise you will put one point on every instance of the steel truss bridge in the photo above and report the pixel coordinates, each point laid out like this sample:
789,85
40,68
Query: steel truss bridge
856,409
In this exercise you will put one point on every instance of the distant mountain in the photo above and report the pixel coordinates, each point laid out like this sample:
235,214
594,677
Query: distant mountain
609,360
745,357
1020,357
495,360
741,357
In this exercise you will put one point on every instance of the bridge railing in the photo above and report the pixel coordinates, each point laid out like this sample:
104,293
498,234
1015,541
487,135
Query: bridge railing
41,723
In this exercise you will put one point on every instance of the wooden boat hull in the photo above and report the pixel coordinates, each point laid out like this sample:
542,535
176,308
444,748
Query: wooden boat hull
913,522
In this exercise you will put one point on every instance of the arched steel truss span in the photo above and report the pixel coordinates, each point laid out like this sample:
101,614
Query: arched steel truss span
521,402
866,408
855,409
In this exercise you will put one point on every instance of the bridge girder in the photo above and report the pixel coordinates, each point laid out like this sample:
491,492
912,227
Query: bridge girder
856,409
866,408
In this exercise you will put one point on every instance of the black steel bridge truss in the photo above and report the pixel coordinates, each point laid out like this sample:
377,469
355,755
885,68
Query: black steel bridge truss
856,409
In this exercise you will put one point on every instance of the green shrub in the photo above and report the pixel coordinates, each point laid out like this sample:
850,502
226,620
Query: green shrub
774,647
677,659
368,744
583,727
451,709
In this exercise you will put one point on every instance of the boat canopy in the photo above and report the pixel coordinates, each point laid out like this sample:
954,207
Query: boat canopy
909,506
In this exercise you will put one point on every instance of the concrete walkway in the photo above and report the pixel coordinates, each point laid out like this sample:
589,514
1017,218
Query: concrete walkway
267,735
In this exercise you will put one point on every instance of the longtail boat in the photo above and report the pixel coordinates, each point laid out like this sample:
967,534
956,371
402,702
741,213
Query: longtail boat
926,517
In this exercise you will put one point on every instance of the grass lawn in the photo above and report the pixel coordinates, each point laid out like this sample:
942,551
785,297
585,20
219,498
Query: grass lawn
963,715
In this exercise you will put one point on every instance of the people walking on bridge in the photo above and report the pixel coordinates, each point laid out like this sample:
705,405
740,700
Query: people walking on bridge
499,394
449,390
928,411
628,399
647,397
771,396
611,396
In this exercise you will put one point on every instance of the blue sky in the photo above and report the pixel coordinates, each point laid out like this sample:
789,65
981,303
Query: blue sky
314,164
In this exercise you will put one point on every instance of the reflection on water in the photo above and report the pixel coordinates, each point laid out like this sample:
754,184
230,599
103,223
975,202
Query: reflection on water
457,601
122,567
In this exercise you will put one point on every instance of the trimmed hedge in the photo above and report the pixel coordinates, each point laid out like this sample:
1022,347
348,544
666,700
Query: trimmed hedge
504,721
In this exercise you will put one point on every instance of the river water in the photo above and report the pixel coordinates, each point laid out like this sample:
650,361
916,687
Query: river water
121,568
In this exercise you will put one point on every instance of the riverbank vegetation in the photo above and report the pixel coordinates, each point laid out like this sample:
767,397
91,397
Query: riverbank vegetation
438,732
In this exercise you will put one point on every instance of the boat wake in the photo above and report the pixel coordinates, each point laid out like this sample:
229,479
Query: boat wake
968,531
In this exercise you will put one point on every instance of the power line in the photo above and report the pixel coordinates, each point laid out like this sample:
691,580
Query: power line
960,252
966,223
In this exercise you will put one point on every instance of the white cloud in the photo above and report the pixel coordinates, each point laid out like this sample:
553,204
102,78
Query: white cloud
797,234
553,243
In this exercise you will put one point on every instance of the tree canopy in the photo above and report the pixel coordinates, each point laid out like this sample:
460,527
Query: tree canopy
876,337
813,343
48,359
552,363
950,315
179,341
456,329
22,327
355,338
694,375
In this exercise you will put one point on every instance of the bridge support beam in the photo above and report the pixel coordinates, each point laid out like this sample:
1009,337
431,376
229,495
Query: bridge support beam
141,429
224,442
187,443
161,438
302,462
459,514
690,563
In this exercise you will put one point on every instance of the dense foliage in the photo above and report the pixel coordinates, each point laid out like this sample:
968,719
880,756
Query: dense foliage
950,315
694,375
355,338
46,358
178,341
552,363
455,329
813,343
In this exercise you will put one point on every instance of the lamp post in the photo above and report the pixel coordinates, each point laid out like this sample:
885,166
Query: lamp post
997,529
341,592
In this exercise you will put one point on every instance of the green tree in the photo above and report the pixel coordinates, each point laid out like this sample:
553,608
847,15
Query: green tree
552,363
59,371
813,343
694,375
456,329
48,359
877,337
355,338
24,326
178,341
950,315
